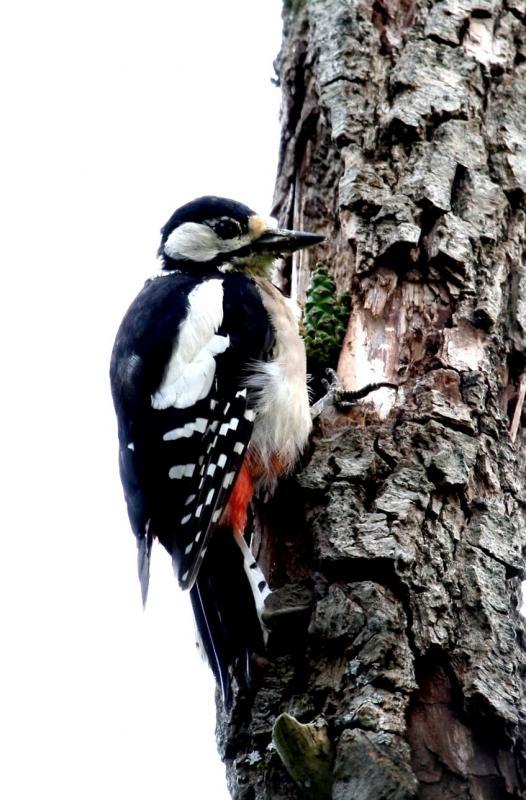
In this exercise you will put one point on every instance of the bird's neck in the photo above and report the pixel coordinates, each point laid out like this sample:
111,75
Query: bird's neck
256,266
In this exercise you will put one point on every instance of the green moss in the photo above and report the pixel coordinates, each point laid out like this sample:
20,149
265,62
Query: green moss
325,319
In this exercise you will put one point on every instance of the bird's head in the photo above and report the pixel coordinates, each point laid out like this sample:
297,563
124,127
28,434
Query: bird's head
213,231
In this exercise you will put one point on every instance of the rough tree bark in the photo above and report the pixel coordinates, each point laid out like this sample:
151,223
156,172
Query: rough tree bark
397,550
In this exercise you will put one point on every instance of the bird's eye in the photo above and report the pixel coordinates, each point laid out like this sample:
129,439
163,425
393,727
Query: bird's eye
226,228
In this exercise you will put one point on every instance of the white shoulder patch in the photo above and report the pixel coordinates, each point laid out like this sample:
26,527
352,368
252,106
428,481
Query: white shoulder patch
190,372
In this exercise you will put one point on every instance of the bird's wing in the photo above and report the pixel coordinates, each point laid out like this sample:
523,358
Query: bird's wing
185,416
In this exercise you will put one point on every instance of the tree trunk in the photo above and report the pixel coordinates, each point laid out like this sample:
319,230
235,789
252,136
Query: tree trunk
397,550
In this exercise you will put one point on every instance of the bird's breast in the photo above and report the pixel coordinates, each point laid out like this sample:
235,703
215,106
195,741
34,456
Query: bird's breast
283,423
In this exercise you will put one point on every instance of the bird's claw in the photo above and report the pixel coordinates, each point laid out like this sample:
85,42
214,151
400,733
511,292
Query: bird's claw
334,387
344,399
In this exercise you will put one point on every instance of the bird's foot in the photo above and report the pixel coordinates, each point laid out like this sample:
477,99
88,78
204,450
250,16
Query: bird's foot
333,388
344,399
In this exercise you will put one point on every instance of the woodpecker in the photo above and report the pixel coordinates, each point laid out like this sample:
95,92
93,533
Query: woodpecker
209,386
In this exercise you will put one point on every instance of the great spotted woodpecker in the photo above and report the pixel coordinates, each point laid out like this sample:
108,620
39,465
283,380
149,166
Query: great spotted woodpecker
209,386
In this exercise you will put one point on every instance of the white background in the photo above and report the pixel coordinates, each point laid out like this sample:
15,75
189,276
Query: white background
113,114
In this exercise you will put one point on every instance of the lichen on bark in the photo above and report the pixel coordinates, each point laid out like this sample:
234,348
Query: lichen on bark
396,552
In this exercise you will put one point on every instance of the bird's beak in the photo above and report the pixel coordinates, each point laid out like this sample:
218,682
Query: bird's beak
280,242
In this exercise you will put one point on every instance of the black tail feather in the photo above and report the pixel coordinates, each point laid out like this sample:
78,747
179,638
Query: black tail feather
225,613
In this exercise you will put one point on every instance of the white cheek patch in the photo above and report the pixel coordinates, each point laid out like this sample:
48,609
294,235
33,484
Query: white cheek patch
195,241
189,374
192,241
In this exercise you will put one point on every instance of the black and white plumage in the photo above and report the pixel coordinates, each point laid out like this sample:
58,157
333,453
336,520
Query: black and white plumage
208,381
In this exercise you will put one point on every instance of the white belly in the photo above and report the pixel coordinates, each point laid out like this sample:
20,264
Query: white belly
283,422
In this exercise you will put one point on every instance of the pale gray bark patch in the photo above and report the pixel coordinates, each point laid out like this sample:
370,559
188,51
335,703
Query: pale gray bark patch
396,553
389,777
